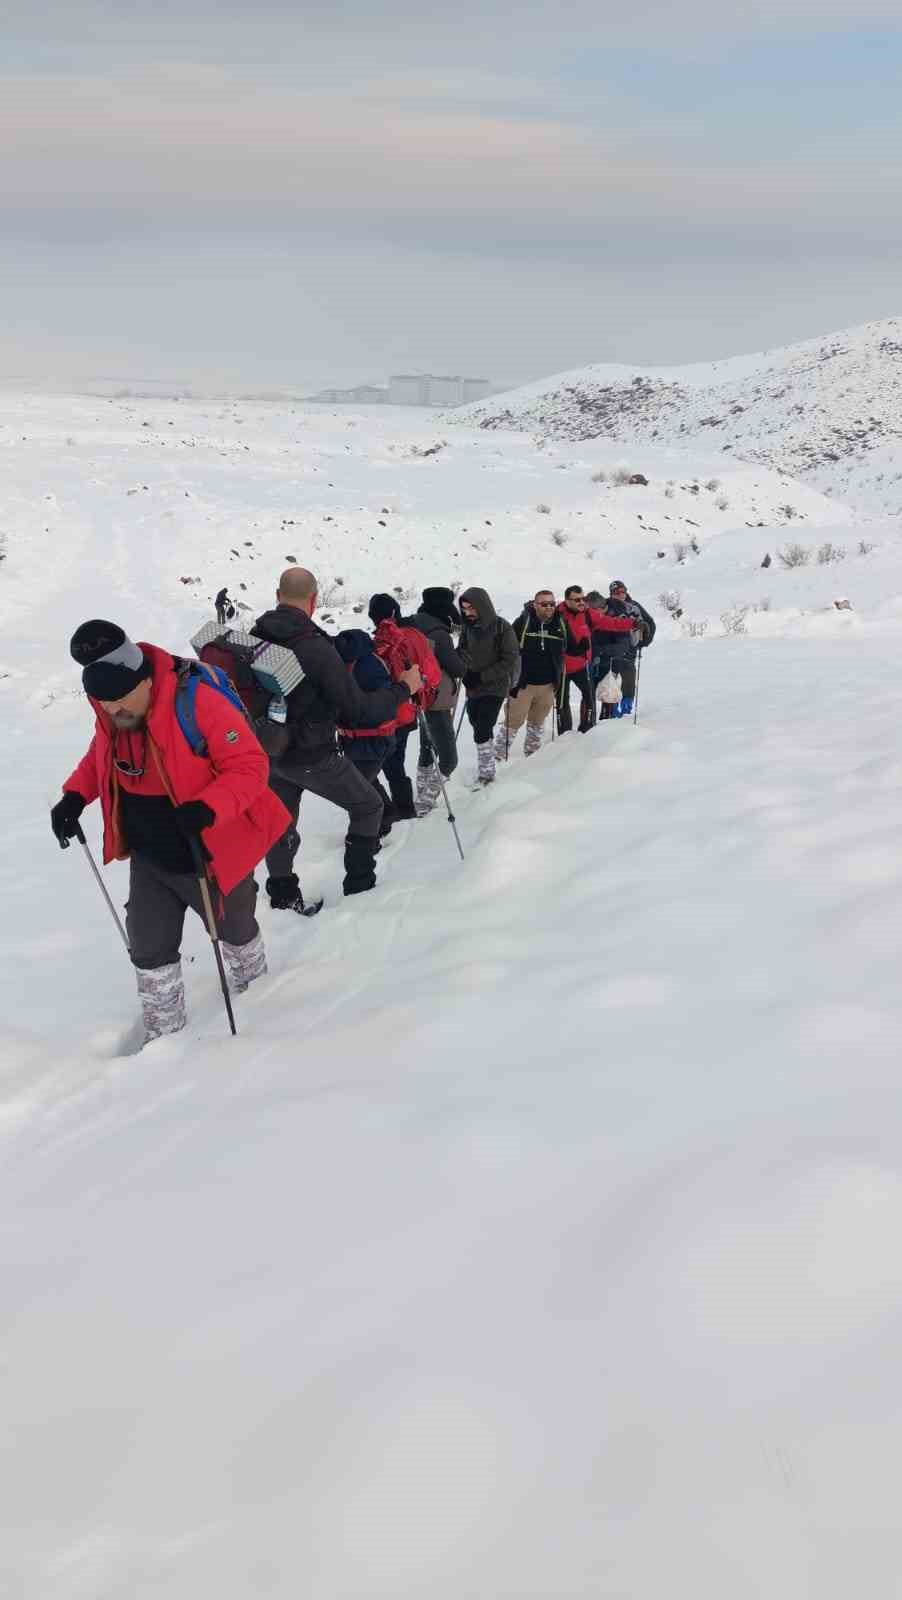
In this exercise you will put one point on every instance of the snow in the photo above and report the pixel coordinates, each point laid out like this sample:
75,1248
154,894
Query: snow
828,410
538,1235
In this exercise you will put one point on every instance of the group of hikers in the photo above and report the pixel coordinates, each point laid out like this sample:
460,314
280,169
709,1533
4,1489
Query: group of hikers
200,765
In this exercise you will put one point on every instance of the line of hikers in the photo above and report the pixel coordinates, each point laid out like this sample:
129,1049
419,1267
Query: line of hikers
217,752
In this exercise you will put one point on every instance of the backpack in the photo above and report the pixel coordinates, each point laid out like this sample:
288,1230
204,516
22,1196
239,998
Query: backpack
408,647
189,674
260,677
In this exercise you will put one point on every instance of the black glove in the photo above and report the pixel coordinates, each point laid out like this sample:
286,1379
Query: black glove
581,647
64,817
472,680
192,816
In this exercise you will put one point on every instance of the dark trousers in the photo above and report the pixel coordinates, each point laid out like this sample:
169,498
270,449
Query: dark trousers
587,702
440,743
335,779
400,786
371,770
158,900
483,714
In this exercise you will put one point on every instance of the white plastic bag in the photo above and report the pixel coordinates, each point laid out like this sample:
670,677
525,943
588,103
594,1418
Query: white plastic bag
609,689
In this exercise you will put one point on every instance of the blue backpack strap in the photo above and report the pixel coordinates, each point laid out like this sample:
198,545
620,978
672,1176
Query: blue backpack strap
190,674
186,707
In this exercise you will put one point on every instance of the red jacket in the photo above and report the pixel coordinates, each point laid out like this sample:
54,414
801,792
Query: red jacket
581,625
232,779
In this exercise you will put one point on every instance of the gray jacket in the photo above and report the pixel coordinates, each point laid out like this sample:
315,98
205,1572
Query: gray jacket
453,668
488,648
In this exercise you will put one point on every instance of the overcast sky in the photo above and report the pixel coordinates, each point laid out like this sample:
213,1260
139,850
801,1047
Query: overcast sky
290,192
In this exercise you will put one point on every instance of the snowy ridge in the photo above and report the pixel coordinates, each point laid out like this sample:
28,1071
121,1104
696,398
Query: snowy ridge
828,410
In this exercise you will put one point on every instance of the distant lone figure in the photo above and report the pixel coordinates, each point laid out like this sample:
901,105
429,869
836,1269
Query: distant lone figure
225,610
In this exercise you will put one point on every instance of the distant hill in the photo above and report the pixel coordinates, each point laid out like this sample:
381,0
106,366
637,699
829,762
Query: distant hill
828,410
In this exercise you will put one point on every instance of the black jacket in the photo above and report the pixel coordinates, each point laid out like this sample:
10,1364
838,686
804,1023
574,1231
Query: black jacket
541,647
328,694
609,648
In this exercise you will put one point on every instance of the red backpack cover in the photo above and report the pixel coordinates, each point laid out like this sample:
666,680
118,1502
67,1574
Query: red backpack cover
403,647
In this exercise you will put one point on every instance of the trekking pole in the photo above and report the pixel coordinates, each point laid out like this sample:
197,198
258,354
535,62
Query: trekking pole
460,722
638,670
451,817
203,884
100,883
507,728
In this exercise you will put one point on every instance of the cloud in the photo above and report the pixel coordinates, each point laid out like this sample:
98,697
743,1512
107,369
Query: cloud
184,142
401,31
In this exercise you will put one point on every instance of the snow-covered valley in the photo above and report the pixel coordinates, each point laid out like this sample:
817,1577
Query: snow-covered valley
536,1238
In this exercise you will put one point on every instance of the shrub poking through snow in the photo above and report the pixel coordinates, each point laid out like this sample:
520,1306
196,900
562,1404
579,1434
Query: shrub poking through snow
669,492
722,503
795,555
544,510
712,485
864,547
734,620
670,600
788,512
680,551
828,553
558,537
621,476
599,477
695,630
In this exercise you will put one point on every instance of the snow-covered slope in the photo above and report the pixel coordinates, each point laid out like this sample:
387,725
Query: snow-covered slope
828,410
538,1236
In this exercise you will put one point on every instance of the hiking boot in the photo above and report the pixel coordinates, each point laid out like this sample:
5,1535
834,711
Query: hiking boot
285,895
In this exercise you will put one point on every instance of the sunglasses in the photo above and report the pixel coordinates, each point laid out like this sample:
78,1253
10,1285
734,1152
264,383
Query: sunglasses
545,605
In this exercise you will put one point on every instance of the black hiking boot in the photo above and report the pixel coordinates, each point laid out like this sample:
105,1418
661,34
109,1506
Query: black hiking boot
285,895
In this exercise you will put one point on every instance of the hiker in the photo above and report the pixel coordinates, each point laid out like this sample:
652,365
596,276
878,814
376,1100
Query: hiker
400,643
581,623
157,796
225,610
619,650
368,748
312,760
438,750
488,650
541,637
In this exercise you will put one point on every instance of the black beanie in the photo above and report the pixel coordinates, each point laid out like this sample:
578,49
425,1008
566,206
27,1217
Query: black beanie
113,666
383,606
440,603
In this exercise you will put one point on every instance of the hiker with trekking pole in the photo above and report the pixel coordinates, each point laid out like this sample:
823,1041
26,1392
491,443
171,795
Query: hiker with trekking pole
183,786
542,639
436,618
621,654
489,651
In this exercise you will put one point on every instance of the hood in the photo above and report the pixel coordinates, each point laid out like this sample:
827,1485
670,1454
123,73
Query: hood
481,604
352,644
283,624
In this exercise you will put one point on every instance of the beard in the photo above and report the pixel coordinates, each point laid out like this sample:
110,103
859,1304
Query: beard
126,721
